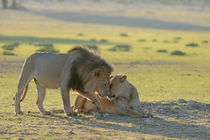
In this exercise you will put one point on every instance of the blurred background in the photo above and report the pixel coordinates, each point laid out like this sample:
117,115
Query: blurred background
162,45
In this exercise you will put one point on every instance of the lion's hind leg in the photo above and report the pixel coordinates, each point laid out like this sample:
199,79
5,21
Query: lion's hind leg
17,100
23,82
41,95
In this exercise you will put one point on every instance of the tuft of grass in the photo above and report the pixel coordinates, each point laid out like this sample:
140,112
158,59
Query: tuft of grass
205,41
178,38
176,41
46,47
93,47
80,34
192,44
178,52
104,40
142,40
124,34
122,47
154,40
148,48
166,41
162,51
10,46
8,53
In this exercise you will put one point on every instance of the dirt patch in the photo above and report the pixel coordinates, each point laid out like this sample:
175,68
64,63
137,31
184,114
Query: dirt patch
171,119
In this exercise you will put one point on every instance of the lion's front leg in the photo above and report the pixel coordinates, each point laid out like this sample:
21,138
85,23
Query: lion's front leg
66,102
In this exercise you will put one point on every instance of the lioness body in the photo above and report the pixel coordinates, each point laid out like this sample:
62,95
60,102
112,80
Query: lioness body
79,70
124,101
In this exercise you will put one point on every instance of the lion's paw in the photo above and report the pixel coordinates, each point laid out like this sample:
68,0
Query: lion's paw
71,114
19,112
46,113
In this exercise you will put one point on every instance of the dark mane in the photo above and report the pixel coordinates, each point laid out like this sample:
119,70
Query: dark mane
88,61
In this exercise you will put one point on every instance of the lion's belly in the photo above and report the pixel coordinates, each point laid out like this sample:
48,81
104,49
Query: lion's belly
48,68
48,82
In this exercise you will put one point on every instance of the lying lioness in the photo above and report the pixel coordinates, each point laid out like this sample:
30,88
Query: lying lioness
124,100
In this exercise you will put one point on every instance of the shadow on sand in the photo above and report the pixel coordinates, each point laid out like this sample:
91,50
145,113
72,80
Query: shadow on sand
170,129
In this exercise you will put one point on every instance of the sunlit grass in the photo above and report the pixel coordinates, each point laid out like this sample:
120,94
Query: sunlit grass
157,76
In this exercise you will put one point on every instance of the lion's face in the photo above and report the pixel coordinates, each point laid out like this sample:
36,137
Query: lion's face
99,83
118,86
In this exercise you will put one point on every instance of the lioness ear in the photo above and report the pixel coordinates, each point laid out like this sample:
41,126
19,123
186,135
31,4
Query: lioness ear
98,74
123,78
111,77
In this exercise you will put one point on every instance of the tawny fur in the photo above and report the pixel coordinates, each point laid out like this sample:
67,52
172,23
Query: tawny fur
124,100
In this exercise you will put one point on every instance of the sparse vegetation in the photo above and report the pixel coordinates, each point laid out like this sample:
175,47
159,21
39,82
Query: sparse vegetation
166,41
192,44
205,41
124,34
178,38
93,47
122,47
178,52
162,51
46,47
80,34
8,53
142,40
148,48
104,40
154,40
10,46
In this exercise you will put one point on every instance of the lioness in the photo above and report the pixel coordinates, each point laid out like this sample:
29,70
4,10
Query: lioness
124,100
78,70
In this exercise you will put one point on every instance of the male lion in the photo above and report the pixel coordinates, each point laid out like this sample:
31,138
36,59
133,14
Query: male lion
124,100
78,70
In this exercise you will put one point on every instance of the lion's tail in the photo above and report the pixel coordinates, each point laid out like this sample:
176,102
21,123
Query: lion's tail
24,94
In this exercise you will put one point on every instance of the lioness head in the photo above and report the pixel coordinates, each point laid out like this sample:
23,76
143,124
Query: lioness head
118,86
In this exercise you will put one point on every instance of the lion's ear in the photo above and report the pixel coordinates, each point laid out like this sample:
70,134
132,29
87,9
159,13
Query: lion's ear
123,78
98,73
111,77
